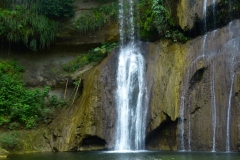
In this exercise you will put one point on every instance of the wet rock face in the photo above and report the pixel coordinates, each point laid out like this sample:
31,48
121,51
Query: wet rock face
188,10
198,75
90,122
165,65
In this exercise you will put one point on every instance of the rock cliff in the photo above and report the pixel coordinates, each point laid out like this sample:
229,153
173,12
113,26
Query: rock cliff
178,75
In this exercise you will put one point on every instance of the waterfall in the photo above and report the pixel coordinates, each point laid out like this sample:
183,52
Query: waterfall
181,125
181,122
229,114
230,105
214,109
189,129
205,15
131,111
203,45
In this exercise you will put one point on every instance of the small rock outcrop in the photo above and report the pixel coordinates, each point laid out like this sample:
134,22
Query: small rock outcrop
3,153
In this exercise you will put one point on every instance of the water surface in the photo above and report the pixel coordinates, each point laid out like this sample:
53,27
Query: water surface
142,155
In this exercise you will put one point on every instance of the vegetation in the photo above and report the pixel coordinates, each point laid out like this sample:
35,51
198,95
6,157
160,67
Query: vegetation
93,56
24,26
10,141
96,18
28,21
19,105
57,8
155,19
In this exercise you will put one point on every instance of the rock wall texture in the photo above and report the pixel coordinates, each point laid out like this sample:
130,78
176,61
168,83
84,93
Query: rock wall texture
196,76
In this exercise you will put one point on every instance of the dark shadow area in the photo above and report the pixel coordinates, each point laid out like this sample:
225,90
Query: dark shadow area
163,137
197,77
93,141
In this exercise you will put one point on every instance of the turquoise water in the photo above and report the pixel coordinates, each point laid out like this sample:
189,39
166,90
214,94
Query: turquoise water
143,155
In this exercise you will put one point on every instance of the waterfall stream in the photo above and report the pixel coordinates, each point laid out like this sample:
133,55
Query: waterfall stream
130,94
214,109
205,14
232,76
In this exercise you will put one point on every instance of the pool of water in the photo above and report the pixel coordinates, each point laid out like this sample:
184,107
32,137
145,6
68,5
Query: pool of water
140,155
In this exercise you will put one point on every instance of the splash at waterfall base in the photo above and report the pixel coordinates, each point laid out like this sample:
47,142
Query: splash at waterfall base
91,122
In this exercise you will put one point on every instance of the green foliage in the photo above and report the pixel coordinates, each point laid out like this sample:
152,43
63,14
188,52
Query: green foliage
155,16
10,141
57,8
93,56
161,15
176,36
22,25
96,18
18,104
52,8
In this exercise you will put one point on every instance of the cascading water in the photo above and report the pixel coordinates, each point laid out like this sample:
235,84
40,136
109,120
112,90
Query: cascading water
181,124
230,103
130,132
214,109
205,14
189,129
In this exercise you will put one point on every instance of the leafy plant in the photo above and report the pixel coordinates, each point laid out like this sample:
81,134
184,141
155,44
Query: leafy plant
93,56
22,25
18,104
155,18
57,8
52,8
